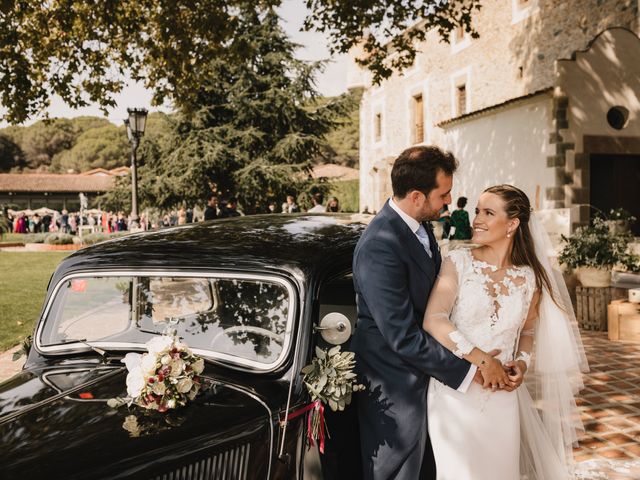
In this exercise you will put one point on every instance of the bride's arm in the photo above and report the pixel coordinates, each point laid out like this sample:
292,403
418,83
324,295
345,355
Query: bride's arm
436,323
525,343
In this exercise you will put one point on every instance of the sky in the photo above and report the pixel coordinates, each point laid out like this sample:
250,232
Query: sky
332,81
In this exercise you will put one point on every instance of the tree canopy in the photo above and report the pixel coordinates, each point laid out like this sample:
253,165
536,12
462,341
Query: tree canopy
83,50
389,30
253,131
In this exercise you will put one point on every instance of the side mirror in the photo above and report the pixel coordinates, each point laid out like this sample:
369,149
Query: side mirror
335,328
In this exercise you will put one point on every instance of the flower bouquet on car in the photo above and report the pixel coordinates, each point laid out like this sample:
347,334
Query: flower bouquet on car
164,378
330,380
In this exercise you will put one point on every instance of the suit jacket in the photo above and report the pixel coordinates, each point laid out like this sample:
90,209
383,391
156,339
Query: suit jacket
395,357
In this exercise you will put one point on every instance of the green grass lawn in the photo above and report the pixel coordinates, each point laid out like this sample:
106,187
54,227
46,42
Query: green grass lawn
23,285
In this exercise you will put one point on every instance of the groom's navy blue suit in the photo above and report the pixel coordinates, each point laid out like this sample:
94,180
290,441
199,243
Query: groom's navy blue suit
393,276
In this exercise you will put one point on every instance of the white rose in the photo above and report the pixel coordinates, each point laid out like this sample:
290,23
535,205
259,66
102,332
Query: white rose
132,360
148,364
158,388
135,382
159,345
184,385
183,347
198,366
177,366
166,359
171,403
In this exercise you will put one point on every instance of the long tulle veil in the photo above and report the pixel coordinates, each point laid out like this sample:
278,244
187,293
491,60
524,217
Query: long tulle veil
549,418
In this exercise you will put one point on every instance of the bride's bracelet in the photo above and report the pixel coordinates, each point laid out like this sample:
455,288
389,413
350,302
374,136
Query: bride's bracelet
525,357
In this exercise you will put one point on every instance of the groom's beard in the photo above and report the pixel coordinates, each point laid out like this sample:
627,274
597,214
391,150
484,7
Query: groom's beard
428,214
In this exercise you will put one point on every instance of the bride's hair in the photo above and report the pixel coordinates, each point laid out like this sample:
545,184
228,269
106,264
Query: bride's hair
517,205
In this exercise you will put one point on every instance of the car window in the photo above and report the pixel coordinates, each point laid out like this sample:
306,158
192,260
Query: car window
236,318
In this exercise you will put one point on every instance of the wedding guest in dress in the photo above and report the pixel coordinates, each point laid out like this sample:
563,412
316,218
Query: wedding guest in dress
333,205
460,221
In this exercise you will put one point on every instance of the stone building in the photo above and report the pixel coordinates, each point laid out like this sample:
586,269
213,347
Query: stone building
547,98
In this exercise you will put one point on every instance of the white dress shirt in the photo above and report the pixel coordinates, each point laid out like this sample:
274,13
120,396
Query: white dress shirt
414,225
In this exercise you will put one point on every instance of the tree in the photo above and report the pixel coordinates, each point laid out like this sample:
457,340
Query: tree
44,140
101,147
253,129
341,146
82,50
10,154
388,30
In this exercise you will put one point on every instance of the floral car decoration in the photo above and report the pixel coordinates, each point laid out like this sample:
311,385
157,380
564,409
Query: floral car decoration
330,380
164,378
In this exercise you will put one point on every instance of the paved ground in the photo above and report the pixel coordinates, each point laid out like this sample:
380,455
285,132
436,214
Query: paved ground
609,404
610,409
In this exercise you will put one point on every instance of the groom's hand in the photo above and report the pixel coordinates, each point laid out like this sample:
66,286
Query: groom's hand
478,378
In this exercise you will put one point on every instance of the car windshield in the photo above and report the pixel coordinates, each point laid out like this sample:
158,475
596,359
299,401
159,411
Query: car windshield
242,319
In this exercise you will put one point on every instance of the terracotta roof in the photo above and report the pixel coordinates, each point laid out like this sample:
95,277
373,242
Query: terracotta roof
336,172
51,182
103,171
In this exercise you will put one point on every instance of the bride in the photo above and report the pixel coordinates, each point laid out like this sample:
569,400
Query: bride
505,296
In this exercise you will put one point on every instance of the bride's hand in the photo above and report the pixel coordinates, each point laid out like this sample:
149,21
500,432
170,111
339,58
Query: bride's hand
493,373
519,368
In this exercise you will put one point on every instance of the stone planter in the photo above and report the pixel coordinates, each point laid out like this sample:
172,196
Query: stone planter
594,277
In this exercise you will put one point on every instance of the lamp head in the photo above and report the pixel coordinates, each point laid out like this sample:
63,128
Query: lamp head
137,121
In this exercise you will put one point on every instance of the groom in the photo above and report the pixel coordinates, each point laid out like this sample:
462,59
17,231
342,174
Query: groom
395,265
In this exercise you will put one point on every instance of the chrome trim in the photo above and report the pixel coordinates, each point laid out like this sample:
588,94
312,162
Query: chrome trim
228,360
294,374
58,396
247,392
230,464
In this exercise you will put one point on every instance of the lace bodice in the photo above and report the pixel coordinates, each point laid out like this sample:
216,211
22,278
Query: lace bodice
489,305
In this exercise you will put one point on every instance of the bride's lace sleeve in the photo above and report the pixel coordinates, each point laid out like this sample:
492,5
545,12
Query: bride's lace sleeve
441,302
525,343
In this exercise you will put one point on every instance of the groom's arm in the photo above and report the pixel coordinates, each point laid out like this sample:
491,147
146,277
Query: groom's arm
383,284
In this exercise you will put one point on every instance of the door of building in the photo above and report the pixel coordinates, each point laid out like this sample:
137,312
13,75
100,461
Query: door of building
615,183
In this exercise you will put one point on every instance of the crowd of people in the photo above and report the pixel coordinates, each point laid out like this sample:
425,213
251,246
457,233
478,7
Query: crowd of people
51,221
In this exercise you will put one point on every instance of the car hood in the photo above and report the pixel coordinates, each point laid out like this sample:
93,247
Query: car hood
55,423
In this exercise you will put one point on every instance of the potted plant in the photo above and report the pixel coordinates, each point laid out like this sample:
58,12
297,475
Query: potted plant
620,220
593,250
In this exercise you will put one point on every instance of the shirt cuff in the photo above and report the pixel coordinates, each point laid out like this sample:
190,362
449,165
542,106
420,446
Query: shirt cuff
464,386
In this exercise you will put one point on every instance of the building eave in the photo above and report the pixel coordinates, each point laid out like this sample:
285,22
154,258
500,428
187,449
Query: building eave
548,91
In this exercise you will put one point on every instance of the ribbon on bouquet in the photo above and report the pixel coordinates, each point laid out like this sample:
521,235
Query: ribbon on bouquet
310,409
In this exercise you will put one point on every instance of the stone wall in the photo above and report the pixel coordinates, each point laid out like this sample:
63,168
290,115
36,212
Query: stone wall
514,56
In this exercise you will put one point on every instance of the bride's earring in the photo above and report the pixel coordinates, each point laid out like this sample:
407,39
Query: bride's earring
508,234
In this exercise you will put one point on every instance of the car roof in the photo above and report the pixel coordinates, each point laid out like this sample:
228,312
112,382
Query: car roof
292,242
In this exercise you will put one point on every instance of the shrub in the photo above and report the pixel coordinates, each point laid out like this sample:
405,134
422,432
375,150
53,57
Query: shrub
93,238
58,239
596,245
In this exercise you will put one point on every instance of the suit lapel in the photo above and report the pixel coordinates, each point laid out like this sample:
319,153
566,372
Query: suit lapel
416,250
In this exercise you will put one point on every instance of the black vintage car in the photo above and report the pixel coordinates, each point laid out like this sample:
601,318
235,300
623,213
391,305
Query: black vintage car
248,295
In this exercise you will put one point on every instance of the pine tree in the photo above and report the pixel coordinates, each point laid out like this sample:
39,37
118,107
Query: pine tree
254,129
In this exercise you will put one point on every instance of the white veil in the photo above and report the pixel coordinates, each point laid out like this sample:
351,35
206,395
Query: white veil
550,419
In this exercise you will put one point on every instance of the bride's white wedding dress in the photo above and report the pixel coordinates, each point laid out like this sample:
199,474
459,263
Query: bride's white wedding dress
480,434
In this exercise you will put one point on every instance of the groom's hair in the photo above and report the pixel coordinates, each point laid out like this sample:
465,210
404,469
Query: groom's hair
417,167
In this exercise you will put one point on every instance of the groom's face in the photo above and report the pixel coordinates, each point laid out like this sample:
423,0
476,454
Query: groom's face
437,198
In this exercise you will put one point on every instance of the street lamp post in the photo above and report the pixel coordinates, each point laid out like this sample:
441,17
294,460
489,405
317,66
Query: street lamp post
136,124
